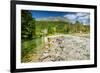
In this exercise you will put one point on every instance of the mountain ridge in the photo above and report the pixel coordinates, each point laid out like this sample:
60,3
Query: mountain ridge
53,19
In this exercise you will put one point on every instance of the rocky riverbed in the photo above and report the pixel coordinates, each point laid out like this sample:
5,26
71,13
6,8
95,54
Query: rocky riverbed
64,48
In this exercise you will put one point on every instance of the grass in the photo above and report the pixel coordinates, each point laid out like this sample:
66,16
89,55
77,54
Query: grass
28,46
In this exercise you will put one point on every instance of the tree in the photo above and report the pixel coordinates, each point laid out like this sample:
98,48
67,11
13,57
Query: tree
78,26
27,25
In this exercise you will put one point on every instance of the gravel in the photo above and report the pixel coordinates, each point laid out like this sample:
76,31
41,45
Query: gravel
65,48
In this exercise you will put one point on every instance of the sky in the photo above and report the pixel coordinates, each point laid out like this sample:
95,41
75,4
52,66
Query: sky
72,17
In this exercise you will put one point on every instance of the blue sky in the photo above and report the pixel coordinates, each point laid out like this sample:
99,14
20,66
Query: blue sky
82,17
42,14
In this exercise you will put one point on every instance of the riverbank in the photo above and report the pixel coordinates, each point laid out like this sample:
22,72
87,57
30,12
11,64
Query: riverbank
63,48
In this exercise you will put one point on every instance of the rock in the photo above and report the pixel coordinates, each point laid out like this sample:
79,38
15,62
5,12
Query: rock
64,48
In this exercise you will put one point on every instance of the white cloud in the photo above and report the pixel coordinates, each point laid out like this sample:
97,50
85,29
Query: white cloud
70,16
81,17
81,14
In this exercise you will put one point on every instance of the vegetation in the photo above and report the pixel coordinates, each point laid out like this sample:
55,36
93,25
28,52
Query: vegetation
32,31
27,25
60,27
27,33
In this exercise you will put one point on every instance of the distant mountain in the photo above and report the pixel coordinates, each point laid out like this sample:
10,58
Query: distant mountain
62,19
53,19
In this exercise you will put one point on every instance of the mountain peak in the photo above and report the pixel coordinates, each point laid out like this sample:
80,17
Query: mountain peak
53,19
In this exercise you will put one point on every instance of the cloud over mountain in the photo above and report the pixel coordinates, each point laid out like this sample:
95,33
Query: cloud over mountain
81,17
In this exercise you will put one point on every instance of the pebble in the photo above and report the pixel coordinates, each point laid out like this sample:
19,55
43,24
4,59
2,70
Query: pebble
66,48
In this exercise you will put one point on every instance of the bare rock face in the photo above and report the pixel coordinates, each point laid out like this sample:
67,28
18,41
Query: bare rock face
65,48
